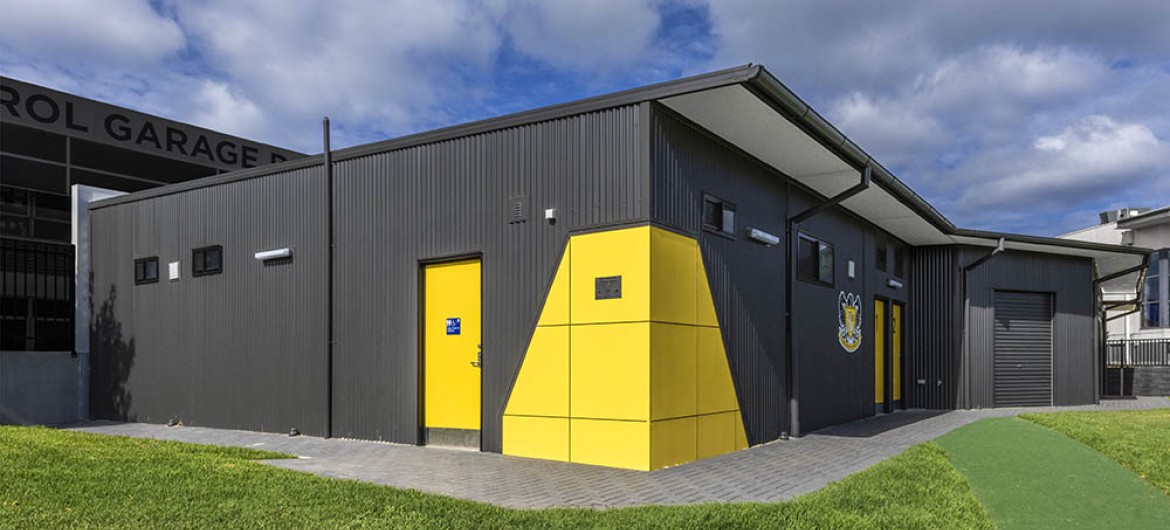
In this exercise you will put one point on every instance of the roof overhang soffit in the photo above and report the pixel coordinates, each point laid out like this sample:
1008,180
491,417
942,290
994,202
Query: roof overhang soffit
739,116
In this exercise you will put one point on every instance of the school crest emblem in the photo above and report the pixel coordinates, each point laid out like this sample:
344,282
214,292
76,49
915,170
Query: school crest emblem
849,321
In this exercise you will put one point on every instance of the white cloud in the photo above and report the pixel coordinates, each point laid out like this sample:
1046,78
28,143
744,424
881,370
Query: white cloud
393,64
215,103
971,102
599,35
127,33
898,131
1087,158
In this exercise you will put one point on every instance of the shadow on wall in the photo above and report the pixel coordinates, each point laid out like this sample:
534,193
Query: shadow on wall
112,357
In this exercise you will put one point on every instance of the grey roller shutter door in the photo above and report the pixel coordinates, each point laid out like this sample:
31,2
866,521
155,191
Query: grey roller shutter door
1023,349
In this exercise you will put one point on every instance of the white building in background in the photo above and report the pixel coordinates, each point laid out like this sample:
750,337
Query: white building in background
1141,227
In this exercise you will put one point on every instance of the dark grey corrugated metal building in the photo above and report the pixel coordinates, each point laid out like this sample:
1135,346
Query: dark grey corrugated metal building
576,218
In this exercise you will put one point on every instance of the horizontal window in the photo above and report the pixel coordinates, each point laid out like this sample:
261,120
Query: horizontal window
33,175
13,201
27,141
207,260
718,216
814,261
146,270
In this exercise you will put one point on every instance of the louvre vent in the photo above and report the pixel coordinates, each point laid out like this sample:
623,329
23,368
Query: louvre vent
518,209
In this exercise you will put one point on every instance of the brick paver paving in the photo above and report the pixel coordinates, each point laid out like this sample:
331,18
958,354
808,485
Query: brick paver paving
774,471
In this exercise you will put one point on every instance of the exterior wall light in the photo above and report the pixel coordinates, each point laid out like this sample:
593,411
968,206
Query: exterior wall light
762,237
274,254
893,284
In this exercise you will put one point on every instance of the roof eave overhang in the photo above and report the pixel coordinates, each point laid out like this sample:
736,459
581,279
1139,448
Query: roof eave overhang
917,217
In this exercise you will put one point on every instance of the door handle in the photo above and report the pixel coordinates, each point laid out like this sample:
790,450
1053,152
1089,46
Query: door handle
478,359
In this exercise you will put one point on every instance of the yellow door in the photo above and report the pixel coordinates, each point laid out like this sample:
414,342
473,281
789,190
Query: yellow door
896,348
879,351
451,345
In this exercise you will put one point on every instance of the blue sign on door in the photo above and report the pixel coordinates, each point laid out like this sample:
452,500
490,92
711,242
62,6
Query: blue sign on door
453,325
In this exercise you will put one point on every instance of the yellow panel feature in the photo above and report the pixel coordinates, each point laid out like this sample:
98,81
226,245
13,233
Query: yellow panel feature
623,253
716,434
542,388
673,391
741,441
704,304
672,277
716,392
610,371
896,347
556,304
624,444
451,323
536,437
879,351
672,442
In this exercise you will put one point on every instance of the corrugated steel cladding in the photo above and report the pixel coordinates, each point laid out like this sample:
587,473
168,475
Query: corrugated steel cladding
1074,353
248,348
747,280
448,199
934,318
935,349
748,284
252,341
243,349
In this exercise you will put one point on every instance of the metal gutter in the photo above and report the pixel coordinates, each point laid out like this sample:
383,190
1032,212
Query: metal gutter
1051,241
800,113
1143,219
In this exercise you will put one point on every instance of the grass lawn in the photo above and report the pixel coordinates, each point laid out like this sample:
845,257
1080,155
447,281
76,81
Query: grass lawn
63,479
1138,439
1031,477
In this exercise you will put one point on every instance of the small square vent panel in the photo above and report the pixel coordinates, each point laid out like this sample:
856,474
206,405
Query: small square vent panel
517,209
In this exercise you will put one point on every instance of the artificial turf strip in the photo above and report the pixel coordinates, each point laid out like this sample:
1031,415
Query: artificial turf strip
1031,477
1138,439
62,479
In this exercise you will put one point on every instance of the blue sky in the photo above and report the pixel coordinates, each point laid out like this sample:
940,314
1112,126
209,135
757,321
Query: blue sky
1020,115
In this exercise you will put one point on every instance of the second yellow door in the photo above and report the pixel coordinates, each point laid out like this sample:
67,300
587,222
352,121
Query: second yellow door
451,345
896,349
879,351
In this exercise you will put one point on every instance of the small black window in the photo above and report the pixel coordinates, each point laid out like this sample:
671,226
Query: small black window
207,260
880,244
814,260
146,270
718,216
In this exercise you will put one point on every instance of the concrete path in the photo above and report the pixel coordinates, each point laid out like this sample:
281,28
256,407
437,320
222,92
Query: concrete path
771,472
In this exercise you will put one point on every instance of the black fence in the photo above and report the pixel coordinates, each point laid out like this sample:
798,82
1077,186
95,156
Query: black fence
1134,367
1138,352
36,296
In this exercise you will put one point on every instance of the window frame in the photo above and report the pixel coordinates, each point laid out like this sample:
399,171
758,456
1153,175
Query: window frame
143,279
199,261
724,206
821,245
1159,277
